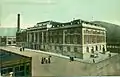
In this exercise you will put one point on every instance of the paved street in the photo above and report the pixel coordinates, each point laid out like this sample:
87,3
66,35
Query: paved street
60,65
31,53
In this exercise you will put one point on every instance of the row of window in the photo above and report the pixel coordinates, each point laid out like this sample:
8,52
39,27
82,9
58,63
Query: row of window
113,46
88,39
69,39
68,48
94,32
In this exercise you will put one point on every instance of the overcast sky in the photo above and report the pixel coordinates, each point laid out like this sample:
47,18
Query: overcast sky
33,11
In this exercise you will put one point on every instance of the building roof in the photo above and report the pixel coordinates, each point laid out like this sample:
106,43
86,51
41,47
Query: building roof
8,31
73,23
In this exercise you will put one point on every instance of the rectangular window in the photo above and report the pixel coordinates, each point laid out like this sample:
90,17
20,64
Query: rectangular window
71,39
78,39
60,47
68,48
22,68
55,47
14,42
17,68
44,37
10,69
75,49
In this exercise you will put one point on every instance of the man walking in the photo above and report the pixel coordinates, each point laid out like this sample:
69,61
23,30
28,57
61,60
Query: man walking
93,60
23,48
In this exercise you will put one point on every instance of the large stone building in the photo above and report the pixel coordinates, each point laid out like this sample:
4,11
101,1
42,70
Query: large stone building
74,38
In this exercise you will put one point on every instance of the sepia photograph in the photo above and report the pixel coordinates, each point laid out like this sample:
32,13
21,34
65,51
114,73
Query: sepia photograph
59,38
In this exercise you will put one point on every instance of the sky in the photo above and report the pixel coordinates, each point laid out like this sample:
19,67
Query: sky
34,11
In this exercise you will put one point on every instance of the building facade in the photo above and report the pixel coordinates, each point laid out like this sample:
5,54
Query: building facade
11,40
74,38
94,38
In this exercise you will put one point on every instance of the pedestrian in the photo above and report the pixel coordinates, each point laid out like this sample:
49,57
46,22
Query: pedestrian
109,54
46,60
42,61
20,49
93,61
49,59
23,48
72,58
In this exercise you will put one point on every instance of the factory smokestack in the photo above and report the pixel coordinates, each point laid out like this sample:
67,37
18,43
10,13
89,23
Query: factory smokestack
18,22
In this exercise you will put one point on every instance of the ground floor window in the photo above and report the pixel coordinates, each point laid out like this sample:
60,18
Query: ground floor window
9,42
87,49
14,42
68,48
75,49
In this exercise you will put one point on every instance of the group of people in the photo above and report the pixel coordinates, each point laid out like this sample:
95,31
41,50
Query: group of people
71,58
46,60
22,48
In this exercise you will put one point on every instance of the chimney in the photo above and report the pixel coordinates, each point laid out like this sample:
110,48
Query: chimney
18,22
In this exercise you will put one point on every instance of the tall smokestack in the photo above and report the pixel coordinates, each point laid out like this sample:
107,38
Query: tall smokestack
18,22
